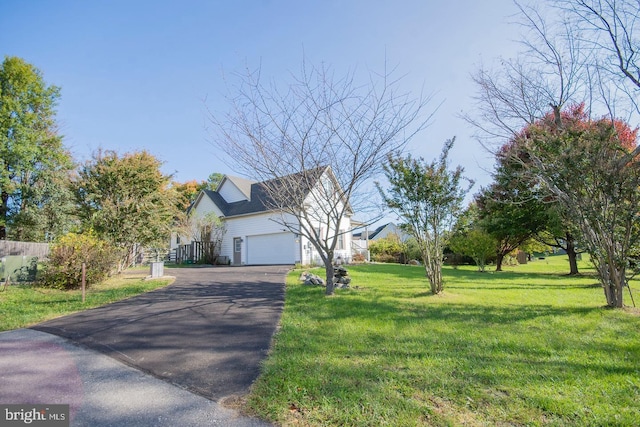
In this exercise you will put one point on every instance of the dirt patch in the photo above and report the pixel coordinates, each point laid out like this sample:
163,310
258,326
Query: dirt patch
234,401
632,310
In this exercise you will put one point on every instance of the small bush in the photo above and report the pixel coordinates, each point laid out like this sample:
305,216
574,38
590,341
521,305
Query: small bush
387,258
64,268
358,258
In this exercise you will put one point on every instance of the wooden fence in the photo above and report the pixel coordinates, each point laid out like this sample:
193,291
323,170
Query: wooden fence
11,248
197,252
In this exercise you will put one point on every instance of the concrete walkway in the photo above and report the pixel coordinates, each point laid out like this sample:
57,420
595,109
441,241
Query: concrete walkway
174,354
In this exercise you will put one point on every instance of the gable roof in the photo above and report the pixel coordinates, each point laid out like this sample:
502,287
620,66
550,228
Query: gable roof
374,234
242,184
259,193
378,230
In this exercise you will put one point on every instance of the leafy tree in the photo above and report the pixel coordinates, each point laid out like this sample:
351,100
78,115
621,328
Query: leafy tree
510,209
561,232
35,202
535,245
428,197
214,179
320,124
585,51
127,201
475,243
187,192
411,249
551,225
591,168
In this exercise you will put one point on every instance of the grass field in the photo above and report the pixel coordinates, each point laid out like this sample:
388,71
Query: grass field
24,305
528,346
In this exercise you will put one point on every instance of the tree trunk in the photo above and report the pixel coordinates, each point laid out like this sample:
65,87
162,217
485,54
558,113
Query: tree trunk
499,260
613,293
3,215
617,286
436,281
480,263
328,265
434,274
573,257
613,281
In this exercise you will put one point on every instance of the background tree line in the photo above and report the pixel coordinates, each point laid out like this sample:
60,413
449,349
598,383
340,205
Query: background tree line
556,118
103,211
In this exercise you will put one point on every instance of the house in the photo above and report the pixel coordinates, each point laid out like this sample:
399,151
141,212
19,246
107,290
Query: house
262,230
361,240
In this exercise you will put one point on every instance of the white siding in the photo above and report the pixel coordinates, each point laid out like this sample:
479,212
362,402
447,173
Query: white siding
252,225
263,224
174,241
230,192
204,206
329,228
310,254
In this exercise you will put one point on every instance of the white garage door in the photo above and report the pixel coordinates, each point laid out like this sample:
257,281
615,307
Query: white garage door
276,248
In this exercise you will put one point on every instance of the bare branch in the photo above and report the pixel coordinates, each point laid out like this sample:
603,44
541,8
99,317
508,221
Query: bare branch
317,142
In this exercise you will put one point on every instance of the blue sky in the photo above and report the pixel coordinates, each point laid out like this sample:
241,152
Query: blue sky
141,74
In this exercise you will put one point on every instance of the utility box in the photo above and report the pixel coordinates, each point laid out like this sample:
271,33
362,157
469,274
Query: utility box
157,269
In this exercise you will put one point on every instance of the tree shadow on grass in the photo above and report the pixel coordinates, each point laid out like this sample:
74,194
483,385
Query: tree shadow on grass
500,353
355,304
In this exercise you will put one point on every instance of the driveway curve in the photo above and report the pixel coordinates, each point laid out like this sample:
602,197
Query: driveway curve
207,332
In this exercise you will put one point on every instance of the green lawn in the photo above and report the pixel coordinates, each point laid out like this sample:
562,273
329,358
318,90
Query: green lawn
24,305
528,346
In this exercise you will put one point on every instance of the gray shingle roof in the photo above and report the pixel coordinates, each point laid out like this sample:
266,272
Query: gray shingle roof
260,199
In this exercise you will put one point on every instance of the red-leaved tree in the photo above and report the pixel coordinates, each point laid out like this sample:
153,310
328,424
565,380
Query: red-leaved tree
591,170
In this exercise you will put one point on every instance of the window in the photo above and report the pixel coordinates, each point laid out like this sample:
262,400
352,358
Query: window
341,240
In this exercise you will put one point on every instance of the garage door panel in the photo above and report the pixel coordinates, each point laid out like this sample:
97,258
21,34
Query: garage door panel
276,248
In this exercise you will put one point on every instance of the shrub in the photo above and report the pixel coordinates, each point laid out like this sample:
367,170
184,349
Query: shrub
358,258
64,268
387,249
387,258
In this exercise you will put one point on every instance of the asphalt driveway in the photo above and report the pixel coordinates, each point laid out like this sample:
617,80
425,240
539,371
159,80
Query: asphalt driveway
206,333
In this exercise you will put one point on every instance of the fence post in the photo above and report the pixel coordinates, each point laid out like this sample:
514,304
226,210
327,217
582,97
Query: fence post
84,276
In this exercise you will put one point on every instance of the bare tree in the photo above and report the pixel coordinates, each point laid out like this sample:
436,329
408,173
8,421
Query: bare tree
608,28
579,51
208,229
299,129
551,71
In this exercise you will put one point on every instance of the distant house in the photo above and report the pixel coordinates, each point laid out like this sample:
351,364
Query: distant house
254,226
361,240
